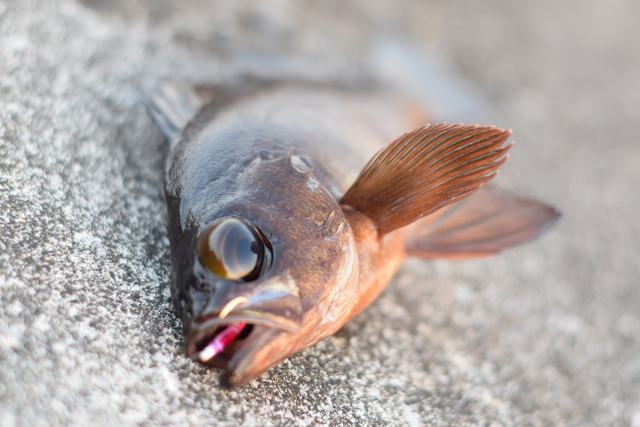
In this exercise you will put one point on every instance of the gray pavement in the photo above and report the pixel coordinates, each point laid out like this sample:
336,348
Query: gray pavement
547,334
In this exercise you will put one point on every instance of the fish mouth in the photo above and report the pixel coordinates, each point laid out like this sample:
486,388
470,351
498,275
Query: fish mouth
228,343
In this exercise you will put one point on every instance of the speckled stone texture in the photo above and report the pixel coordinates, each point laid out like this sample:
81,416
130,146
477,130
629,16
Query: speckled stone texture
548,334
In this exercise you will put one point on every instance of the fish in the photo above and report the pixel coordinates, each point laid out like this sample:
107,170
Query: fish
292,203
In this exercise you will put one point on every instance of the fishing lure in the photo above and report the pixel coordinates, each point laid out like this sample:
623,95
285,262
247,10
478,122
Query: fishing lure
292,204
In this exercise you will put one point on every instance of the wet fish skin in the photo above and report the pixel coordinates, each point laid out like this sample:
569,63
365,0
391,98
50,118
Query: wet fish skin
260,173
280,157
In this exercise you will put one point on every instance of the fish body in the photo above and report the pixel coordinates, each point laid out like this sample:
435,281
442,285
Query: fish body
284,223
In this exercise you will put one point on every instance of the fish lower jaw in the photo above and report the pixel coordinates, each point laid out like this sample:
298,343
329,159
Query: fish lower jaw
232,347
240,342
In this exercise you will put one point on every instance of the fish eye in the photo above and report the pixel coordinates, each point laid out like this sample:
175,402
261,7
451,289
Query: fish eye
233,249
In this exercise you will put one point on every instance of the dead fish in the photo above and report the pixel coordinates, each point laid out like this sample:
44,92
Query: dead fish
291,205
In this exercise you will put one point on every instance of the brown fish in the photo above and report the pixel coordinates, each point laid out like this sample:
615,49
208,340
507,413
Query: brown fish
292,204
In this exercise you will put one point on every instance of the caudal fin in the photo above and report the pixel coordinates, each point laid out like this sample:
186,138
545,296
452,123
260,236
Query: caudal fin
484,224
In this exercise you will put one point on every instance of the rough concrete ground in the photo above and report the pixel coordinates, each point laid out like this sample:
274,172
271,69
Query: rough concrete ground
548,334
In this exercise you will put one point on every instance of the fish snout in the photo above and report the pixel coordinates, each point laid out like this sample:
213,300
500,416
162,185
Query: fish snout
237,315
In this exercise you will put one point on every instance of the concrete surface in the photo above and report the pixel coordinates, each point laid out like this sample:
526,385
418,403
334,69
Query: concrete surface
548,334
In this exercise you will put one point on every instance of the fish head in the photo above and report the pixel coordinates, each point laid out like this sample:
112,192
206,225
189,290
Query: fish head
275,259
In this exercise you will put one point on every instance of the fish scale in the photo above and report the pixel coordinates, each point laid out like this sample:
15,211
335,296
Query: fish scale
271,247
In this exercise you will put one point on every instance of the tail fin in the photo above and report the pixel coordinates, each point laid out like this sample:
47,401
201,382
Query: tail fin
484,224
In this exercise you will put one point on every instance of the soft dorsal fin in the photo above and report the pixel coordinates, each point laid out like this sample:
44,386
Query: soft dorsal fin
424,170
489,221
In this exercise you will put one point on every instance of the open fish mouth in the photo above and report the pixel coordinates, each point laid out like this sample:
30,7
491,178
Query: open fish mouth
228,343
220,342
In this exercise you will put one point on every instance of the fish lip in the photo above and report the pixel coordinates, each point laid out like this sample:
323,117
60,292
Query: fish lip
237,369
199,329
240,369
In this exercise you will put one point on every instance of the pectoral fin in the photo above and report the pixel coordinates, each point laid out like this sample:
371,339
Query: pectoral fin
425,170
487,222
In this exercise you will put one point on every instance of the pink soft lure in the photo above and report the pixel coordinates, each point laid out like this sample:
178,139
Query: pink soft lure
221,341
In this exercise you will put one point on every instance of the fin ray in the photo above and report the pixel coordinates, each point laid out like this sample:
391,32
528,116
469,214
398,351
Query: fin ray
424,170
486,223
174,104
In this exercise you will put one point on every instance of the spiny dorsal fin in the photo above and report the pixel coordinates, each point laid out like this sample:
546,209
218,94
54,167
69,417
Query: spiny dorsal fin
173,104
424,170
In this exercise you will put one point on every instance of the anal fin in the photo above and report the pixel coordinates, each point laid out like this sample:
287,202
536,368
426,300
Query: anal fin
484,224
